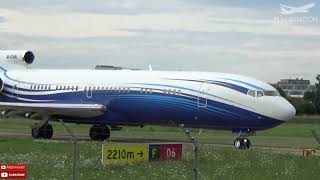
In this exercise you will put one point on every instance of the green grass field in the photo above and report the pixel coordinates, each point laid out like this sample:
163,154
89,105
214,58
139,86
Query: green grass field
52,159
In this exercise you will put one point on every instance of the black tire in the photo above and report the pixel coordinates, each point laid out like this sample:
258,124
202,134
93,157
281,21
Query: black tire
35,133
47,131
99,132
247,143
93,133
104,133
238,143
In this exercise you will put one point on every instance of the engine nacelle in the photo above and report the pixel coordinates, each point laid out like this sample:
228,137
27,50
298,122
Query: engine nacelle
17,57
1,84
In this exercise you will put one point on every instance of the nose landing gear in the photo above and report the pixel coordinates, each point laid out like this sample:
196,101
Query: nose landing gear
242,143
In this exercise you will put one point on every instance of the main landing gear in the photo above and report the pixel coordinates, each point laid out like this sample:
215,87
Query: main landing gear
42,131
99,132
242,143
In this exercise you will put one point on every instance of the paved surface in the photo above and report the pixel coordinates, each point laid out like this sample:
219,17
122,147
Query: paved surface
83,138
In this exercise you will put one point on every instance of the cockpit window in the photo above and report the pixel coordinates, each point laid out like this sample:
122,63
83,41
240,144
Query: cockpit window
252,93
259,93
271,93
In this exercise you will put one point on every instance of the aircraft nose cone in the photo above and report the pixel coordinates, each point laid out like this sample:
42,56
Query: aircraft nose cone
287,111
291,111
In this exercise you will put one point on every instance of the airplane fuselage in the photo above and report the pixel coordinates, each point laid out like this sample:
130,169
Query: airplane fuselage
134,97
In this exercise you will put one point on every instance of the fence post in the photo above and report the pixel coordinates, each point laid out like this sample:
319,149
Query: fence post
194,150
74,150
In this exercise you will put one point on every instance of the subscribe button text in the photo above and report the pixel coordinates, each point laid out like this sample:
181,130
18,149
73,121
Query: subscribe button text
12,171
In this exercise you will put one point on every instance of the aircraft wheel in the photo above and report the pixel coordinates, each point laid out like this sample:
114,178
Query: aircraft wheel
247,143
47,131
104,133
93,133
242,143
99,132
238,143
35,133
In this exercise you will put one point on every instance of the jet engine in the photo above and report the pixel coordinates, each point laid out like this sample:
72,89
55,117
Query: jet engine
1,84
17,57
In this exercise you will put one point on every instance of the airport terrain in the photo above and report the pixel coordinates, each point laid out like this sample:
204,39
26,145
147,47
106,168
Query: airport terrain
276,153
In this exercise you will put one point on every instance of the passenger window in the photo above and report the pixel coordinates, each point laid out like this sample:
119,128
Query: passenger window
252,93
259,93
270,93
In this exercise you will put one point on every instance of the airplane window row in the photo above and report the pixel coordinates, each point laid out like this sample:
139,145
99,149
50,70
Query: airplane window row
40,87
108,89
172,91
146,90
48,87
255,93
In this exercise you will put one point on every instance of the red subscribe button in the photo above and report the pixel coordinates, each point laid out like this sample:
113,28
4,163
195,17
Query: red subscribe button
13,175
12,167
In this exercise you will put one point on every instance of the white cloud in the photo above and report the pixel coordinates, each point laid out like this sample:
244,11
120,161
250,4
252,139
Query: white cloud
131,33
81,25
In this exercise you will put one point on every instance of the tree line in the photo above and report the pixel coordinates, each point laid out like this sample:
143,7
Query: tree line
309,104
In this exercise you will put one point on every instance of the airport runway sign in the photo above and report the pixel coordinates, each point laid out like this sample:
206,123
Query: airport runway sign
165,152
119,154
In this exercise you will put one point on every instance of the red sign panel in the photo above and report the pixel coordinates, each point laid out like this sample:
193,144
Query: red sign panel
13,175
13,171
170,152
12,167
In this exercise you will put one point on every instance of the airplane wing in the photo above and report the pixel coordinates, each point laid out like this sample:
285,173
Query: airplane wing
287,7
79,110
307,6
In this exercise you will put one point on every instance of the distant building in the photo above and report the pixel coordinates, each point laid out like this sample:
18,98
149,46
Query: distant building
295,87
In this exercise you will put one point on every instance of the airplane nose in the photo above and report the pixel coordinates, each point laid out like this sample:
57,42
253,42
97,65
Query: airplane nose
286,110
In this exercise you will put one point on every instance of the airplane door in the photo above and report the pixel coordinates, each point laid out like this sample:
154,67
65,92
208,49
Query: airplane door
89,92
203,95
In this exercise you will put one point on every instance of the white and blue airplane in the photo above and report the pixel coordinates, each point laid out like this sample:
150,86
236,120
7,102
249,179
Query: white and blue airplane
106,98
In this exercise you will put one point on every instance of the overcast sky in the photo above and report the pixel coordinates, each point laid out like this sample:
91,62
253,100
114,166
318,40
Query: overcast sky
202,35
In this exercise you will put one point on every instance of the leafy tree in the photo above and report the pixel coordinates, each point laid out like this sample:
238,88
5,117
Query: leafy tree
282,93
318,84
316,100
309,96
